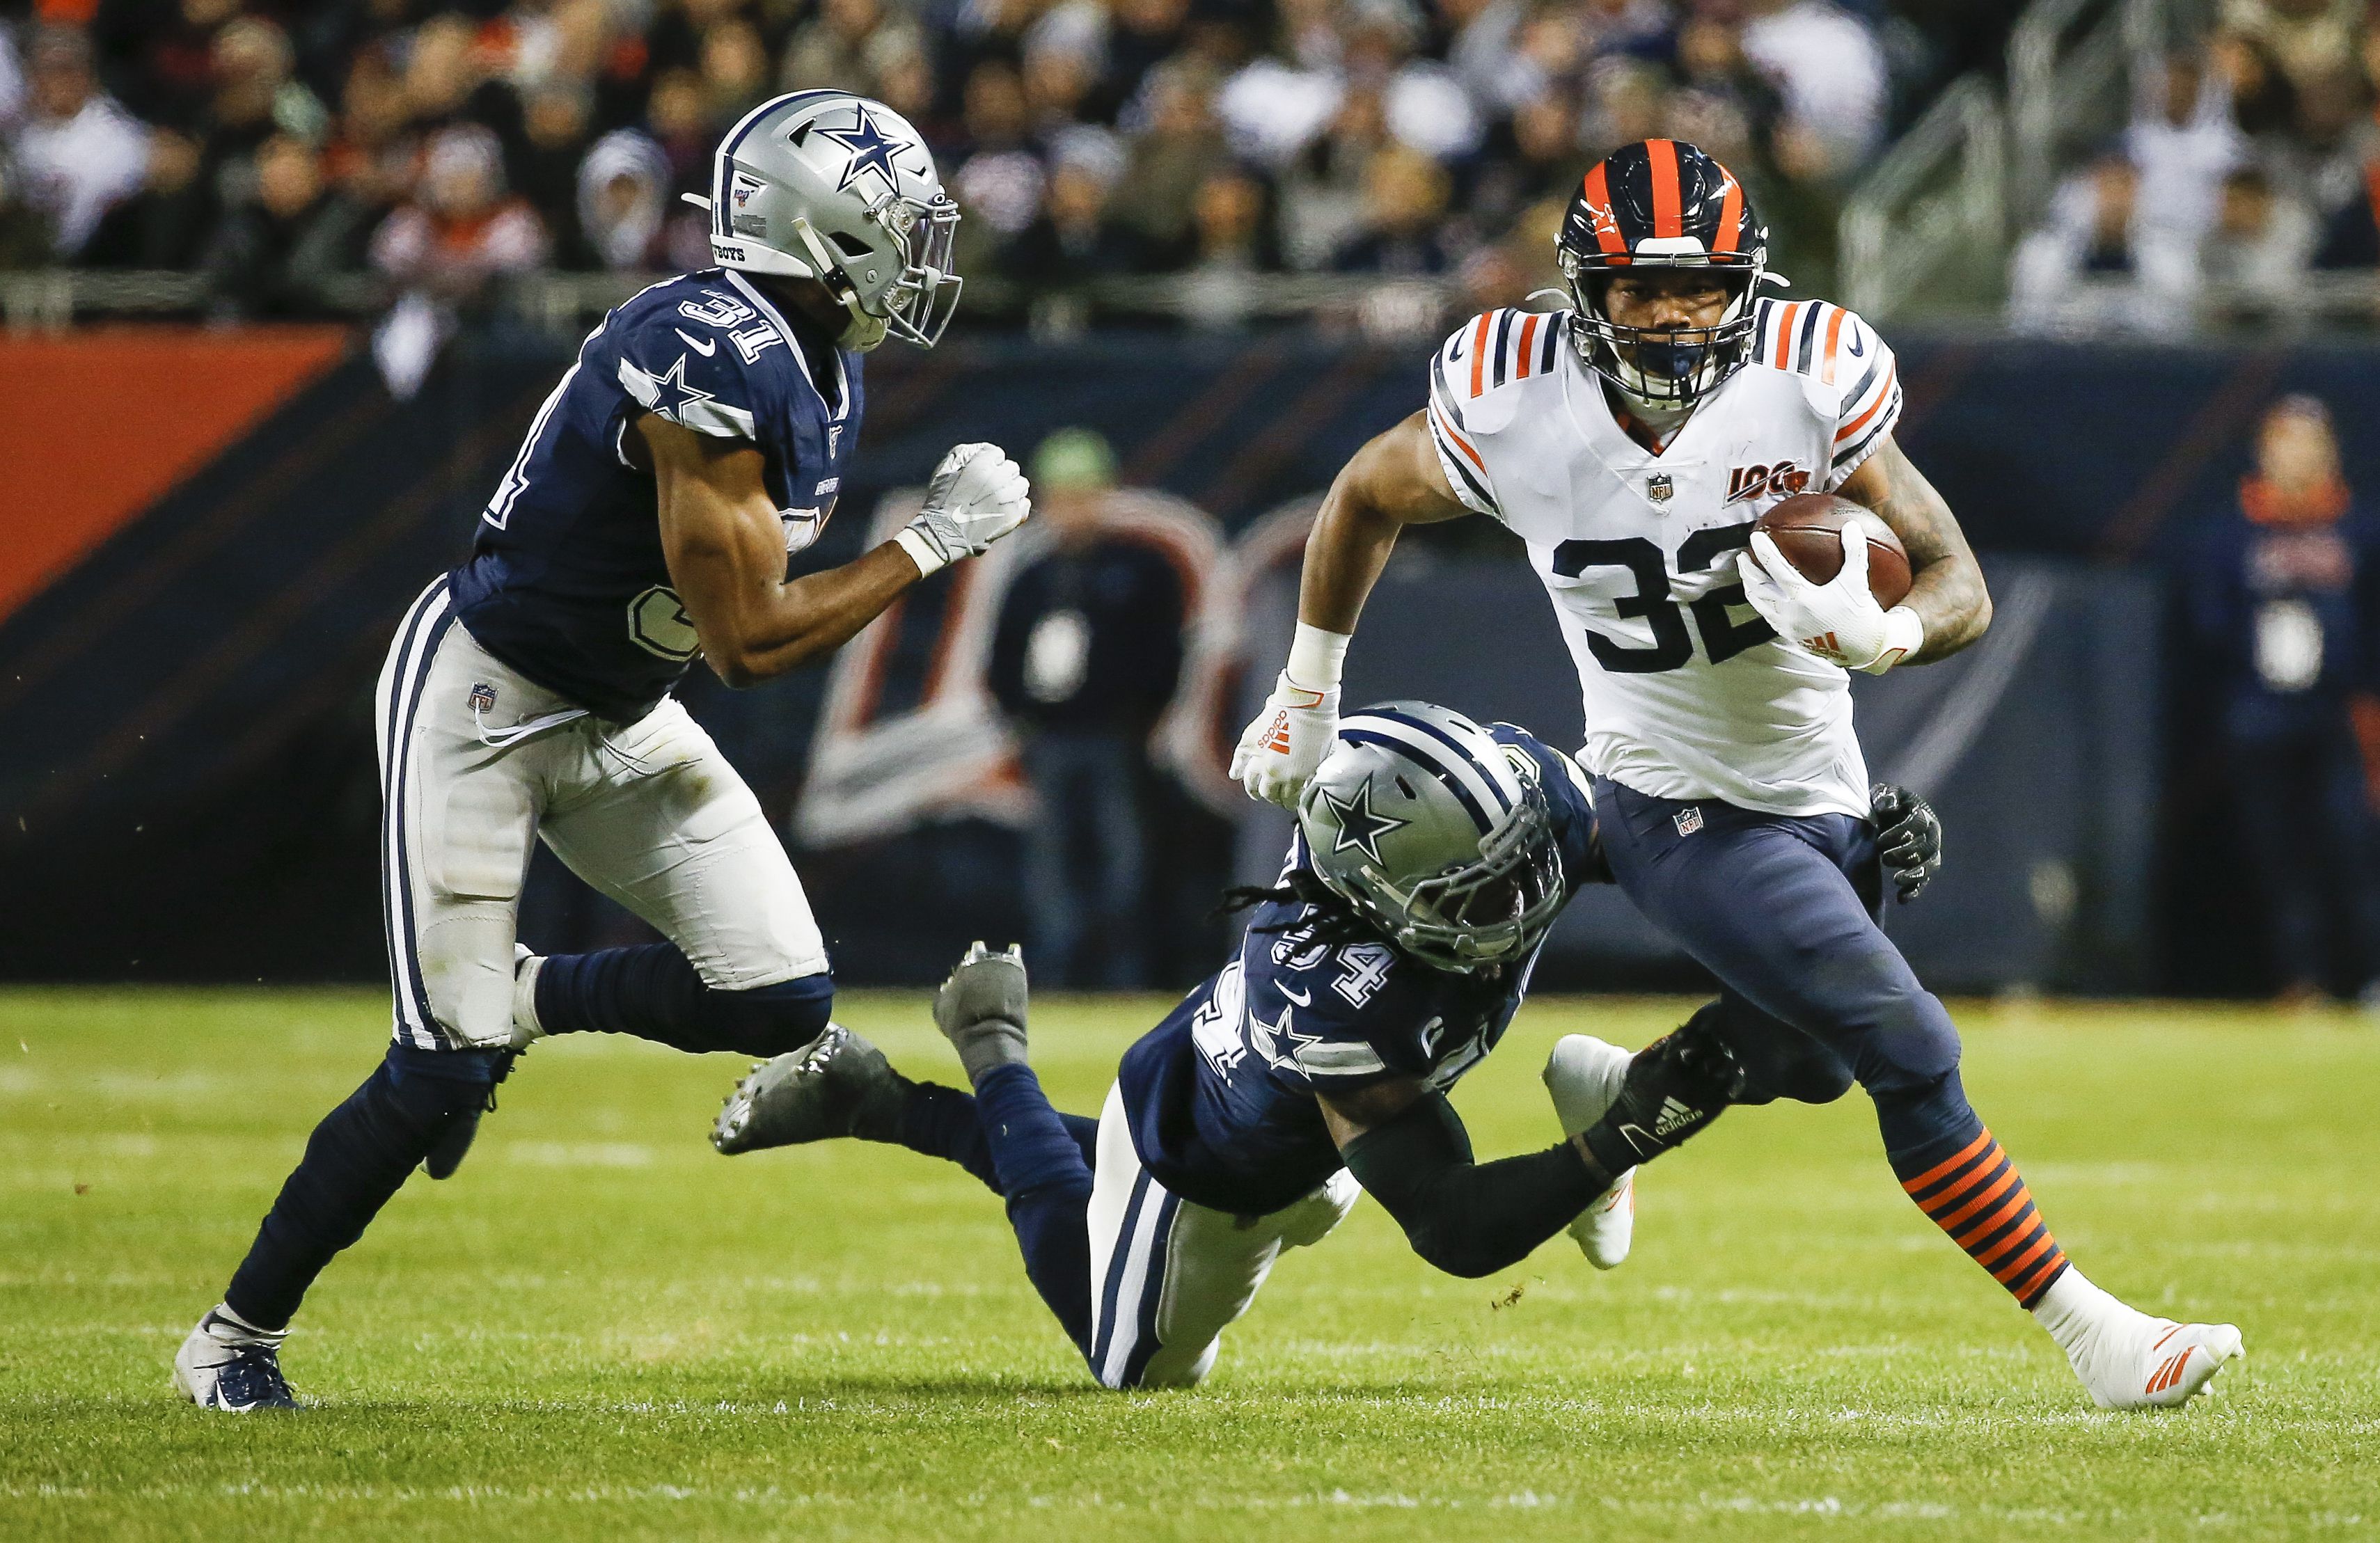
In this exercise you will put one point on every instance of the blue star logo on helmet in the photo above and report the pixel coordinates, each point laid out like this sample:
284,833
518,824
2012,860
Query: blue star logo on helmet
1360,827
870,151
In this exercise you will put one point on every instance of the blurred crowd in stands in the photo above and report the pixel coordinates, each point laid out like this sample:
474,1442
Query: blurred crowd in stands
2251,162
436,143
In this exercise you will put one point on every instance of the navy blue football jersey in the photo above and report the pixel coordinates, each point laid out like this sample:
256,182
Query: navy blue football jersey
566,582
1221,1096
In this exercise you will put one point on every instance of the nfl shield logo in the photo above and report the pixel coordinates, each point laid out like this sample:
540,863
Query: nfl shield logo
1659,487
483,697
1688,820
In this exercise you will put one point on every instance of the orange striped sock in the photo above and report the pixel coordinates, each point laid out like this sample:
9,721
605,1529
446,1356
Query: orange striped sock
1978,1196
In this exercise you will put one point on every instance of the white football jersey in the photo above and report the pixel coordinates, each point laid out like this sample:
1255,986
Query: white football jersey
1689,694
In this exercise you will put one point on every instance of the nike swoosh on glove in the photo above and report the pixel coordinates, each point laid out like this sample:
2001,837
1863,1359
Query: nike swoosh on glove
1840,620
1280,750
977,497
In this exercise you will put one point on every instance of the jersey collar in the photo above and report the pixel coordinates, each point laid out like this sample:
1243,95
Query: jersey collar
768,308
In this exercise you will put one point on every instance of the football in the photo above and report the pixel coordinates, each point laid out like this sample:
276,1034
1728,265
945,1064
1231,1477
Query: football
1806,530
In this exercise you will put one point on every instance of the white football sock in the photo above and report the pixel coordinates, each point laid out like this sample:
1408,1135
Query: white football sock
2072,1307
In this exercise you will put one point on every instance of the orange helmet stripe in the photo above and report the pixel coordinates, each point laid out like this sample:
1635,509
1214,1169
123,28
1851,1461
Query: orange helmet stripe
1661,157
1607,227
1731,216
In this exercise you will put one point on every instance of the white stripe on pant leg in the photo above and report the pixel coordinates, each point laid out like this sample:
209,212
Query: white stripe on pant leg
1144,1276
387,704
412,675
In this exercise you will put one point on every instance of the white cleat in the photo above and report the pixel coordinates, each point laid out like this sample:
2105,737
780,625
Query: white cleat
226,1365
2126,1358
1584,1075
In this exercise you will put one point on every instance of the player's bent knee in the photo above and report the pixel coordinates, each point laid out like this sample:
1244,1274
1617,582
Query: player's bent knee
770,1020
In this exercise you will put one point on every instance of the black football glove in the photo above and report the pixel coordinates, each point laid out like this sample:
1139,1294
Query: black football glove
1908,838
1674,1086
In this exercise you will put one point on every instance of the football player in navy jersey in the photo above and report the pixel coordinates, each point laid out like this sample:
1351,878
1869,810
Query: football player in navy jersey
699,441
1430,858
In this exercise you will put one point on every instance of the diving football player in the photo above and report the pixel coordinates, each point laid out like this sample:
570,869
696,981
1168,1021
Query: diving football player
1630,440
699,441
1432,855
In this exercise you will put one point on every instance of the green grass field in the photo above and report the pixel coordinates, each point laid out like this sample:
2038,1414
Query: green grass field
599,1328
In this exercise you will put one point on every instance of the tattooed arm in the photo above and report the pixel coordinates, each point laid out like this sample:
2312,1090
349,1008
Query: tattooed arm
1947,588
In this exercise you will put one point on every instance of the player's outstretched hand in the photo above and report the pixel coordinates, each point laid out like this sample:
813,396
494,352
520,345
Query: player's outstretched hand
1675,1085
1279,752
1908,837
1838,621
978,496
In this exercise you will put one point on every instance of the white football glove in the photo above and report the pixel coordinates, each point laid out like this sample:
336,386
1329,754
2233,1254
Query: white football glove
1278,755
1840,620
977,496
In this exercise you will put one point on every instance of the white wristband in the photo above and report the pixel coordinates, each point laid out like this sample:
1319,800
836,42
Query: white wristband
1316,657
1904,634
921,551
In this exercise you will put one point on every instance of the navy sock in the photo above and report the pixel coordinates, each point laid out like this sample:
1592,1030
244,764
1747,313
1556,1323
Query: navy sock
1044,1172
942,1123
653,992
357,1157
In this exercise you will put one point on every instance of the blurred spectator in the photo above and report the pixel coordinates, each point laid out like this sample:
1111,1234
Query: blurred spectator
623,189
1323,189
1232,244
1073,240
1085,657
2306,39
735,71
2093,266
254,98
78,150
2282,604
2351,237
2183,142
167,223
464,229
278,258
1175,152
999,178
549,163
846,45
2256,255
677,115
1405,206
1829,69
24,230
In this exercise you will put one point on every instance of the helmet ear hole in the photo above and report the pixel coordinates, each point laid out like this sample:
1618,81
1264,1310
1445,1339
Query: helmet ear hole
850,245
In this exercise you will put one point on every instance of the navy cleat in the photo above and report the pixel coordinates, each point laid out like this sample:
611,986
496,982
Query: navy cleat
838,1085
226,1365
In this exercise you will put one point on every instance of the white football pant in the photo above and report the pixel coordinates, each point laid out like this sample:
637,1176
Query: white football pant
478,762
1169,1276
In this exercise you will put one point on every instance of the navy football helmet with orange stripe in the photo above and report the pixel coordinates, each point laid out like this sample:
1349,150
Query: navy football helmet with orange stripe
1661,203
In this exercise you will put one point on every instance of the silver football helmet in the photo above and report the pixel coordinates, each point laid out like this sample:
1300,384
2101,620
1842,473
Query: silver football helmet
1435,835
828,186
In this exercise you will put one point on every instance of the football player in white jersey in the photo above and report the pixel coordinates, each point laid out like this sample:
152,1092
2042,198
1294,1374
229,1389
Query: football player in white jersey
1630,440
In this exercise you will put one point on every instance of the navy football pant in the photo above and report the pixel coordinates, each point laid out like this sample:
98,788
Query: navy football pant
1786,912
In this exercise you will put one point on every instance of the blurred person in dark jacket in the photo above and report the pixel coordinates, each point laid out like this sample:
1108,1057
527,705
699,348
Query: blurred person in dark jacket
278,258
24,230
1086,655
1404,208
166,224
2282,604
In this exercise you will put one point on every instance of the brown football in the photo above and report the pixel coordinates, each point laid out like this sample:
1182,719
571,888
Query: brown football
1807,528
